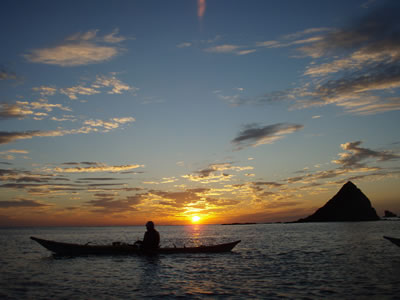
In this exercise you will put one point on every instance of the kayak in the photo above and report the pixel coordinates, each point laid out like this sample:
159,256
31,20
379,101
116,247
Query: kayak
68,249
393,240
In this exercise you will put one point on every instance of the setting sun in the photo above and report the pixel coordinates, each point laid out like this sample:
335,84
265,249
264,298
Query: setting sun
195,219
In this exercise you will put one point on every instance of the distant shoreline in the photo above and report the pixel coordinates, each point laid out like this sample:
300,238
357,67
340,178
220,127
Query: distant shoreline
239,223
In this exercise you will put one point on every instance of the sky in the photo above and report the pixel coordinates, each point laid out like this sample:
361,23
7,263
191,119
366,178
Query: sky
118,112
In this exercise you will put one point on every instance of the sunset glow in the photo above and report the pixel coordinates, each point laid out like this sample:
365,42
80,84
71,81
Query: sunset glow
228,111
195,219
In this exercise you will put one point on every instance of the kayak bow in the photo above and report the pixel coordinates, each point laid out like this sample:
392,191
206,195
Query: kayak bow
393,240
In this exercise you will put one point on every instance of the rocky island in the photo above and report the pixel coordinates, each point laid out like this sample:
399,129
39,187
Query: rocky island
349,204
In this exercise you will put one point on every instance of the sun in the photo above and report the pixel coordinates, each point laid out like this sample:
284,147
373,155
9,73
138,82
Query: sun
195,219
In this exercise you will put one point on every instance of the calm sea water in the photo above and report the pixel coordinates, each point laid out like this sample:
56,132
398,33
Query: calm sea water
273,261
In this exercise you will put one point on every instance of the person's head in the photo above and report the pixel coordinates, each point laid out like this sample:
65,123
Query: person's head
150,225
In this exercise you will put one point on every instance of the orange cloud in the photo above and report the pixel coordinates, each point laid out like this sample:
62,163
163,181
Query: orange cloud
201,8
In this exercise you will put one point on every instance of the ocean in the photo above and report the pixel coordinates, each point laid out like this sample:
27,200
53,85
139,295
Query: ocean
273,261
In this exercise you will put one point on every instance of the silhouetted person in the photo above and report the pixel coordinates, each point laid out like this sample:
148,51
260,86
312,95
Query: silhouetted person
151,238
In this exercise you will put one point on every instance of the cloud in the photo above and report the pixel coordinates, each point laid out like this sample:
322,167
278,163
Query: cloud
106,204
271,97
162,181
99,167
98,179
22,109
184,45
9,111
40,189
201,8
6,74
211,178
178,199
110,82
8,154
110,124
356,155
88,163
64,118
227,48
79,49
90,126
305,32
356,67
8,137
18,176
267,183
221,202
42,105
22,203
364,68
295,39
254,135
45,90
214,173
118,87
281,44
72,92
112,38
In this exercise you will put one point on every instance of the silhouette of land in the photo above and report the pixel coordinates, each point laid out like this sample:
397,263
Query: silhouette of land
389,214
247,223
349,204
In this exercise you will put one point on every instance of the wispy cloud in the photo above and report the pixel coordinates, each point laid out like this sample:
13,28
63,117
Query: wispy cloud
110,124
89,126
23,109
106,204
22,203
73,91
295,39
355,155
42,105
255,135
179,198
6,74
164,180
364,67
45,90
10,154
117,86
227,48
184,45
99,167
215,173
9,111
110,82
355,67
79,49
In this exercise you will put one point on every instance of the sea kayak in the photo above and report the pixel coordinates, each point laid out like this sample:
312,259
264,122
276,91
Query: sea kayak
393,240
68,249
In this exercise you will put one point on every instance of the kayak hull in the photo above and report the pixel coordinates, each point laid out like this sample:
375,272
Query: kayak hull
393,240
69,249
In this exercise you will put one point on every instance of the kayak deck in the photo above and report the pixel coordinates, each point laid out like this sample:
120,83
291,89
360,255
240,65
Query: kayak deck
393,240
69,249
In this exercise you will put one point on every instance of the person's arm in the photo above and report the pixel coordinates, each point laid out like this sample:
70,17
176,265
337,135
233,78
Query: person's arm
145,238
158,239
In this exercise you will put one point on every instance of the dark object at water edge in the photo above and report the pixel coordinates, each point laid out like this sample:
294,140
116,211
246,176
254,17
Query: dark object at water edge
389,214
68,249
393,240
348,205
